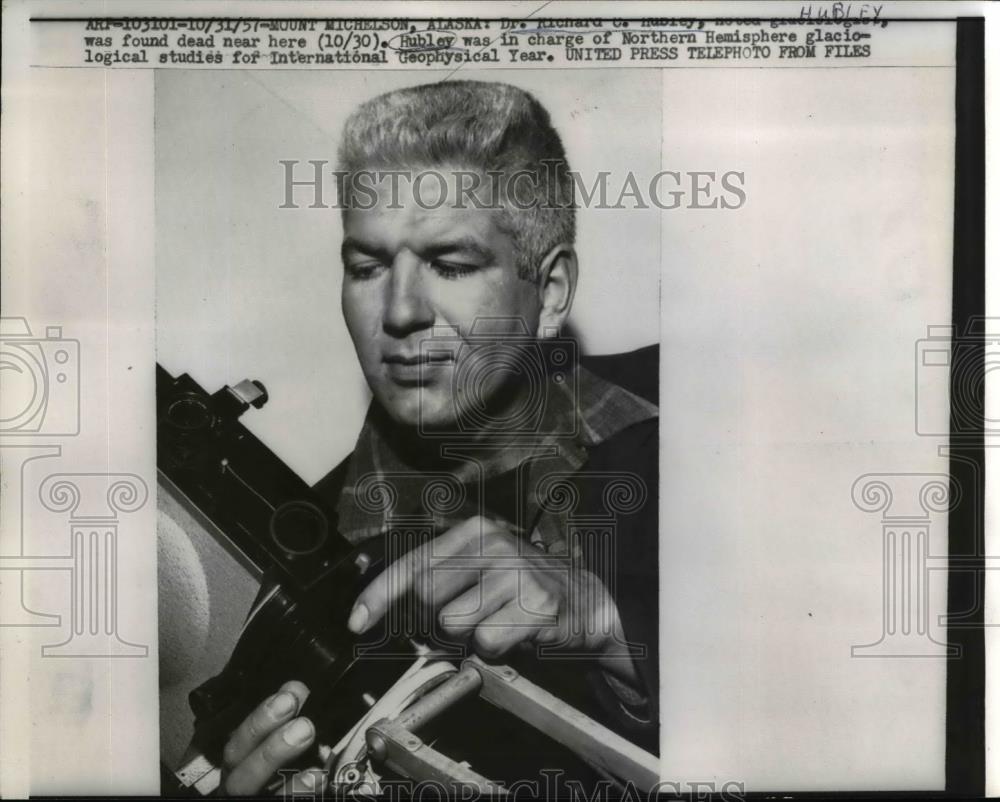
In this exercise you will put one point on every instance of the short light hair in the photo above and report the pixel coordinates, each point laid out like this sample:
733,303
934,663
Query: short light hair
488,127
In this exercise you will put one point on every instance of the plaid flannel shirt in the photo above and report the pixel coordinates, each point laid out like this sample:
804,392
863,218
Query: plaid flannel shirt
385,485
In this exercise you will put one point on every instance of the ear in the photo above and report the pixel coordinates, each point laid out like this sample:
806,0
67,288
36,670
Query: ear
556,282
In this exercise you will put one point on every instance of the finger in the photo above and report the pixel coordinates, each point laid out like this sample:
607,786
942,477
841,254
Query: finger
462,614
272,713
398,578
497,634
445,577
277,750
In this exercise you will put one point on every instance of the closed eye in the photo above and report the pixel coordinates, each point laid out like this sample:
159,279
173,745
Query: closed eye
362,270
452,270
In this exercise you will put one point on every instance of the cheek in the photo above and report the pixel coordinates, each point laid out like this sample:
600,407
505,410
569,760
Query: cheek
462,302
362,313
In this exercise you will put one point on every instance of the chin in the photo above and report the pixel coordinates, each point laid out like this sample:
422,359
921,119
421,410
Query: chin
408,408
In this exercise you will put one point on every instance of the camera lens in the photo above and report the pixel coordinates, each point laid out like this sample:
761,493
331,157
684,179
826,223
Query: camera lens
189,413
299,527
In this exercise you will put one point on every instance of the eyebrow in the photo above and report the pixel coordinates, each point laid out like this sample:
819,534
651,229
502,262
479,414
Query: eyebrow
352,244
455,245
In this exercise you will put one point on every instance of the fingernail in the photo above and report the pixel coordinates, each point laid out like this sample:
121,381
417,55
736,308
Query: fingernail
281,704
358,619
298,732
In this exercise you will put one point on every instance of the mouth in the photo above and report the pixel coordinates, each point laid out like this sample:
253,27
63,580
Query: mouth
415,369
417,359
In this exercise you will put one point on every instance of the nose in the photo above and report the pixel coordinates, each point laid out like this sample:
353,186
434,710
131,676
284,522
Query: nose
406,306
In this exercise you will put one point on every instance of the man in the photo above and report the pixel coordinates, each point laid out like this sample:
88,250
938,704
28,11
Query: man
465,225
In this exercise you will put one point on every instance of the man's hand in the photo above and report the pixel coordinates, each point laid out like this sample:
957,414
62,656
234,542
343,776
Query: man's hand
268,740
489,586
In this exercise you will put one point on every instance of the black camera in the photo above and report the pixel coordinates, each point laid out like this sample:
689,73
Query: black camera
296,628
311,575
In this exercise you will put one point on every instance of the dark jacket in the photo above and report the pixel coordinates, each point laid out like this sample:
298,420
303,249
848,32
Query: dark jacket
634,569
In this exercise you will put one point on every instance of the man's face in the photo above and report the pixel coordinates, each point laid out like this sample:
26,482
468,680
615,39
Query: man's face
410,270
